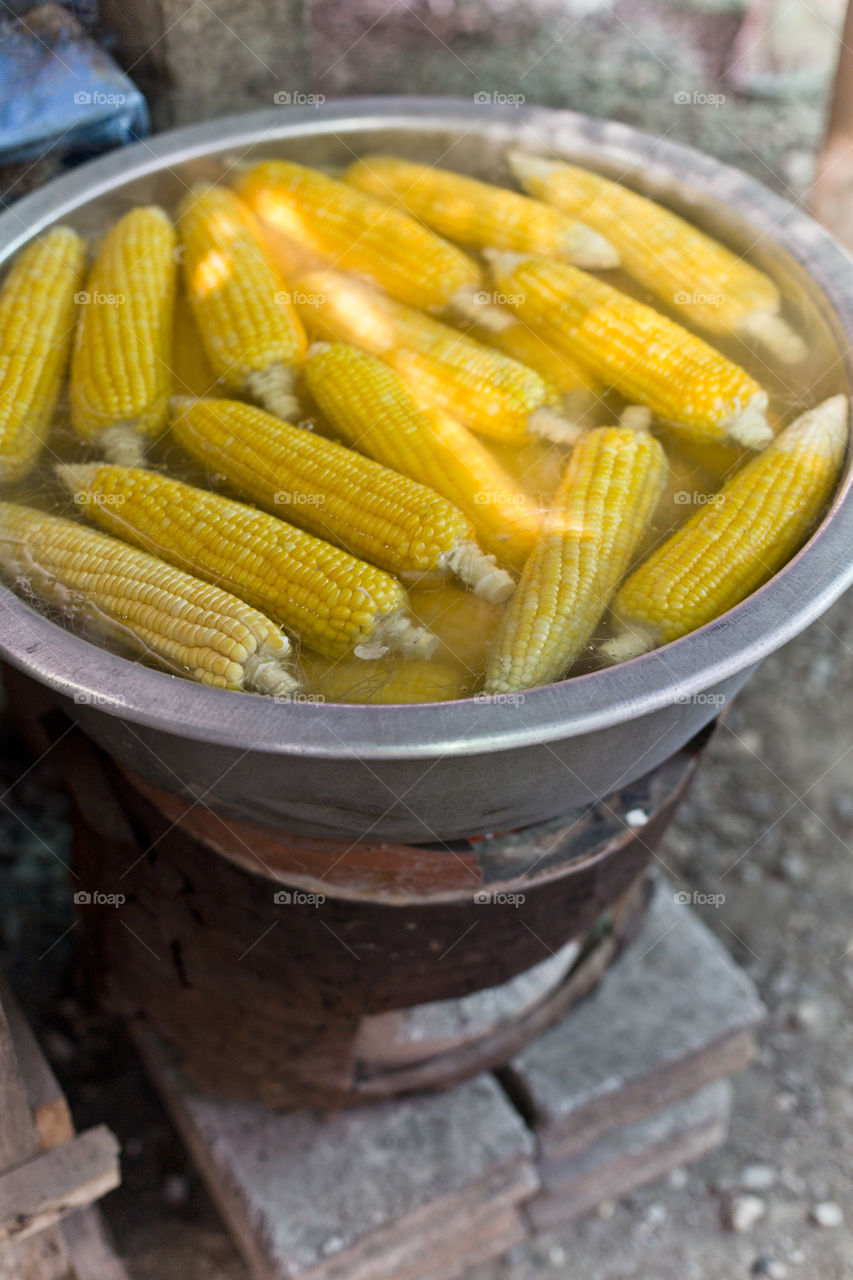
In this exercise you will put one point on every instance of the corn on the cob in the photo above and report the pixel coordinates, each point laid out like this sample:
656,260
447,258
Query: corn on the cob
355,232
192,374
253,336
381,681
646,356
463,623
135,599
335,493
487,391
479,214
120,379
677,262
728,549
371,408
37,306
600,513
580,390
332,601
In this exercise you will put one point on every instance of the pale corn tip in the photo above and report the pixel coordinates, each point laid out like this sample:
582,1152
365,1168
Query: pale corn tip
479,572
552,426
469,304
633,642
636,417
275,387
502,262
526,168
750,427
76,476
398,633
824,428
180,404
123,445
773,332
266,673
590,249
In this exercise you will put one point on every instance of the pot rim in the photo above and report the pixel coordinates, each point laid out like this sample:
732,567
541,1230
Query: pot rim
681,671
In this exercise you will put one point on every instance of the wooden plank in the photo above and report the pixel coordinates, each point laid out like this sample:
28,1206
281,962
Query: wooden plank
40,1191
18,1133
46,1100
832,191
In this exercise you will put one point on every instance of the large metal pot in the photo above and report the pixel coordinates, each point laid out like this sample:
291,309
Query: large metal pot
426,773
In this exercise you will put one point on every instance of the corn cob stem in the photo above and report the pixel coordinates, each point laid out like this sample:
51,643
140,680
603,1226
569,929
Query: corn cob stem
335,493
36,323
479,214
648,357
120,377
251,331
355,232
133,597
599,514
371,408
729,548
485,390
334,602
679,264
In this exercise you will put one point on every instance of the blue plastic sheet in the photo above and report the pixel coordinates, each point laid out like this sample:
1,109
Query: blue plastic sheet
66,97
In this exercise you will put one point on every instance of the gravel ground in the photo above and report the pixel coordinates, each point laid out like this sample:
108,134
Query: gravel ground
768,823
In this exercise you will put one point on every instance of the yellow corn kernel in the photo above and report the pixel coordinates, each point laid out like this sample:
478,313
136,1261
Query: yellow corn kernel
253,336
729,548
485,390
37,306
599,515
463,623
579,389
677,262
355,232
382,681
138,602
192,374
120,379
335,603
646,356
479,214
370,408
324,487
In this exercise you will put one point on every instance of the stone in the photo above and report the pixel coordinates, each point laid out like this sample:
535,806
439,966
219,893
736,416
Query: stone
827,1214
631,1156
743,1212
672,1014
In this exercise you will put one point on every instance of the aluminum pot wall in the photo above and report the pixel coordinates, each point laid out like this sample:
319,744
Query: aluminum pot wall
437,772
